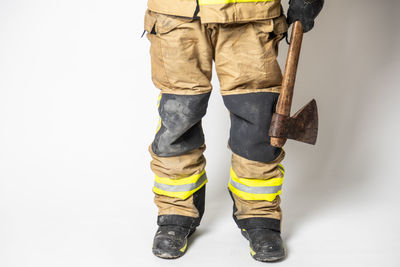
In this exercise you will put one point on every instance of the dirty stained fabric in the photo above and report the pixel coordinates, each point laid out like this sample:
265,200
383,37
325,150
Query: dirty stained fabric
178,116
245,56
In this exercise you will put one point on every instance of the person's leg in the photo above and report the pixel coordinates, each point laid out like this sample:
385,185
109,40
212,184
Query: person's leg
181,59
250,79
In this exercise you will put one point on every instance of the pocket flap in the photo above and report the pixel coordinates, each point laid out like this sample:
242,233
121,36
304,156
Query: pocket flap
166,23
265,25
149,20
280,25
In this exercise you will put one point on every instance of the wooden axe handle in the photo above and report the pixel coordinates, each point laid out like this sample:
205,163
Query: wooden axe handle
289,77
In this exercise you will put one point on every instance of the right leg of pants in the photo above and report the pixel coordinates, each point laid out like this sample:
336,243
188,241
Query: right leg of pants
181,59
250,79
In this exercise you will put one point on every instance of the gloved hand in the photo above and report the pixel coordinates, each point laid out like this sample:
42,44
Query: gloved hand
305,11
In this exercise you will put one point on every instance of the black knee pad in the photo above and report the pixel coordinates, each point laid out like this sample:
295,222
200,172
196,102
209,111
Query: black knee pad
250,121
181,129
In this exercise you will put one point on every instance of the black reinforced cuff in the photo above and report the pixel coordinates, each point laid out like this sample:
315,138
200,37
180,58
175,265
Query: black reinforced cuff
255,222
259,222
179,220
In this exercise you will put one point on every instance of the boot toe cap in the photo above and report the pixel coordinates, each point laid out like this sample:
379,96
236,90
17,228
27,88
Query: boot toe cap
167,243
170,243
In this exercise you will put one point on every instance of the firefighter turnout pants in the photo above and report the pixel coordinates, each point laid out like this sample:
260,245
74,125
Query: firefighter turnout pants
182,53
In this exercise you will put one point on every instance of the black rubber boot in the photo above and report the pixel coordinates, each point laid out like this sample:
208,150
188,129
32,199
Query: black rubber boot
265,245
170,241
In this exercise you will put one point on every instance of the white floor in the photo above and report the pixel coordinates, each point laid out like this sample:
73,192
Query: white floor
78,111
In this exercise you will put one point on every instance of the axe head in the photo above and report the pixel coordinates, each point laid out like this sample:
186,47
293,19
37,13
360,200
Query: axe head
303,126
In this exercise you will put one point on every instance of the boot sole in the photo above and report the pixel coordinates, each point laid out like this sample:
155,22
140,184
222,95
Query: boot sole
169,255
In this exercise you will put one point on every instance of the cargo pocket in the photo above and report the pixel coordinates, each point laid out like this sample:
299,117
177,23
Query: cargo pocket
160,31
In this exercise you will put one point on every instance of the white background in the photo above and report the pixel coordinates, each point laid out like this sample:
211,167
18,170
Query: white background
78,111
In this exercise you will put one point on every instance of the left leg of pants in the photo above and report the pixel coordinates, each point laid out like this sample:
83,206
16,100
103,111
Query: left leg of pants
250,78
181,59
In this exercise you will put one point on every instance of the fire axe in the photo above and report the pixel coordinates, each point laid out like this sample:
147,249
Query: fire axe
303,125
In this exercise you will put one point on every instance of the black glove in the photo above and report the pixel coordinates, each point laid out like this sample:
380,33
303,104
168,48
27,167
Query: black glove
305,11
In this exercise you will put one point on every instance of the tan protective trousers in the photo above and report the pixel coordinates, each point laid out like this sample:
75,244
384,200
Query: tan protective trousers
182,52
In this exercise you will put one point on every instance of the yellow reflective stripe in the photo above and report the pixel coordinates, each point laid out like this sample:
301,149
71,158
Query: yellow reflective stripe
248,196
159,125
217,2
181,195
188,180
256,182
159,99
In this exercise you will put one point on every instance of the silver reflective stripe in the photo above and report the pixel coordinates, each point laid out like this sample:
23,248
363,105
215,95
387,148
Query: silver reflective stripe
183,187
256,189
